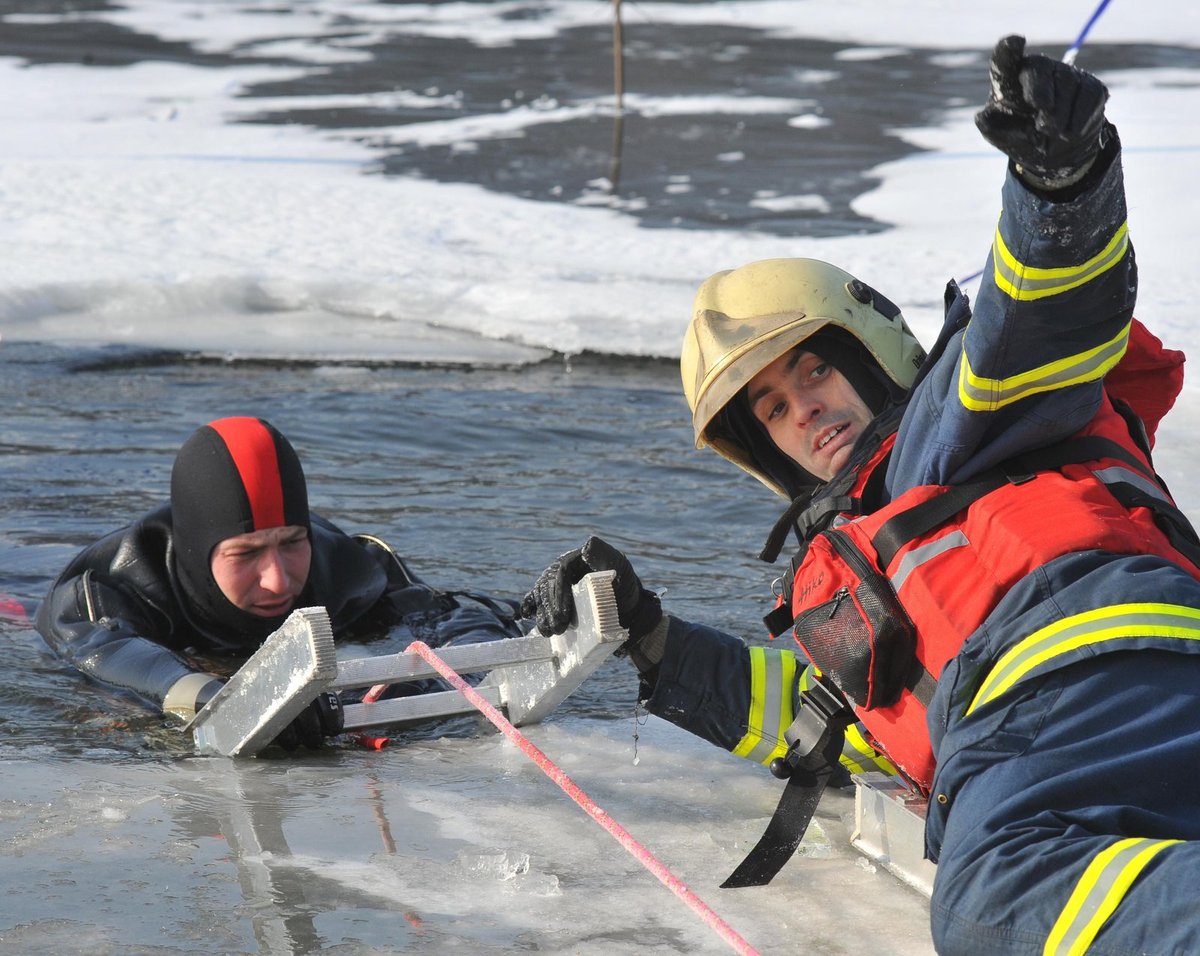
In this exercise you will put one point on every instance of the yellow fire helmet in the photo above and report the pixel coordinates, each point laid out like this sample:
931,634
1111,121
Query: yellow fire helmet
744,319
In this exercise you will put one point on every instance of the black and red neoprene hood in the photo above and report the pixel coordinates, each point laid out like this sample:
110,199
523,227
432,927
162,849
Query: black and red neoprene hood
231,477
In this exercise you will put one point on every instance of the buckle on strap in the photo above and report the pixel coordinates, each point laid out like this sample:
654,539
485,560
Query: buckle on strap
815,738
821,715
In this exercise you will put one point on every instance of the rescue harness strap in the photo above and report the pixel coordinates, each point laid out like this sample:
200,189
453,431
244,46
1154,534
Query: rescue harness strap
816,738
918,520
908,525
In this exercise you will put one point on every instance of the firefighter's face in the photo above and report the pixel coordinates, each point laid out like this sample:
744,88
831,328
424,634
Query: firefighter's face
812,413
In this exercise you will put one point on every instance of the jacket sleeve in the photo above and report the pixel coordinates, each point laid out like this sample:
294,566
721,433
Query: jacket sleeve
738,696
717,687
112,636
1052,317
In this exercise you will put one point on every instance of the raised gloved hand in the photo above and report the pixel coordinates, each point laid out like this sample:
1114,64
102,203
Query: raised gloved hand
1045,115
551,604
320,719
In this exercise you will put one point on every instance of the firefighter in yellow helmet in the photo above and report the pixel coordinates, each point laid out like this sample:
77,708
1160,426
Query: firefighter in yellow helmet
991,578
817,343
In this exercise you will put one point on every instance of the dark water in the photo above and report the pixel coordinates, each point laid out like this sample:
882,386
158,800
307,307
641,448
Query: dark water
479,476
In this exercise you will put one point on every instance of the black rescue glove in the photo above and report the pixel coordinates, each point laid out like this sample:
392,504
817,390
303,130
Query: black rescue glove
320,719
1045,115
551,604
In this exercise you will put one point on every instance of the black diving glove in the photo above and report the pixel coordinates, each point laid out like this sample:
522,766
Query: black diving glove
1045,115
320,719
551,604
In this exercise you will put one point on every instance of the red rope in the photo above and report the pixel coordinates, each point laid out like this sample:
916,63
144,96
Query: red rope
643,856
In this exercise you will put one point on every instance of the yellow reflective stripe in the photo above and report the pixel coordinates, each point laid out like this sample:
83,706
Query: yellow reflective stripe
753,738
772,676
858,756
1114,623
979,394
1098,893
1026,283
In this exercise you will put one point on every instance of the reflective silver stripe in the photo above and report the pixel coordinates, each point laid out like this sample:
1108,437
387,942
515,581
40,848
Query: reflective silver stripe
92,613
1075,636
1117,475
1026,283
926,552
772,676
1098,893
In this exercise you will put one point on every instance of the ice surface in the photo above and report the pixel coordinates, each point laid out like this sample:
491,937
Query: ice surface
447,841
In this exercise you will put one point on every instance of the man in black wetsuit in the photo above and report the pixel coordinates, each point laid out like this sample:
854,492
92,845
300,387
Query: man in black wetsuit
162,607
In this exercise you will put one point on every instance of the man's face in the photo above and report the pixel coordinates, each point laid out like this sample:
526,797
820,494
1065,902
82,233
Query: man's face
812,413
263,572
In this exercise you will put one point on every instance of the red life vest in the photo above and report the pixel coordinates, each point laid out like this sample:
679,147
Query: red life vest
883,601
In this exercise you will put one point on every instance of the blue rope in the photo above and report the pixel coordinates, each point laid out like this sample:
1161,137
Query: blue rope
1068,57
